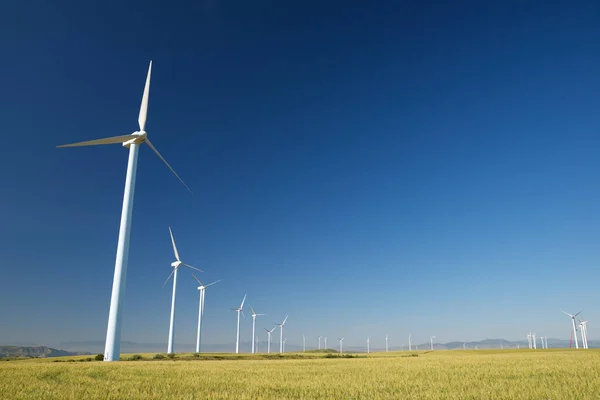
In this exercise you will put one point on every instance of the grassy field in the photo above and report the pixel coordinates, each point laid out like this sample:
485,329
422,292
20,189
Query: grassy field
501,374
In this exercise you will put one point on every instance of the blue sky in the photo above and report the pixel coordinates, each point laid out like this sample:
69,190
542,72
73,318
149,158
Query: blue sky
364,168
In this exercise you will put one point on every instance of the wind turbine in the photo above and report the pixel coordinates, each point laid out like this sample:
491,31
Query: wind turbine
574,329
175,264
238,310
583,330
325,341
303,343
254,315
409,345
386,342
341,344
431,340
202,289
281,334
320,342
534,341
529,341
368,347
269,338
112,348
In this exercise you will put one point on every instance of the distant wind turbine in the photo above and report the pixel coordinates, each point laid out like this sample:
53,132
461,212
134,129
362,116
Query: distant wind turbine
254,315
112,349
409,345
386,342
534,341
303,343
175,265
325,341
269,338
574,329
202,290
281,334
431,340
239,310
341,344
320,342
368,347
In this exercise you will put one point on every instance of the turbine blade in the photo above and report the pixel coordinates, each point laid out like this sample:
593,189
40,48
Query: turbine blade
108,140
167,164
174,247
197,280
283,323
172,272
252,309
213,283
577,313
144,105
189,266
243,300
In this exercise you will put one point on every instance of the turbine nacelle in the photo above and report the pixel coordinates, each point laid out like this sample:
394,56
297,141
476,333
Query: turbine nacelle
139,137
176,264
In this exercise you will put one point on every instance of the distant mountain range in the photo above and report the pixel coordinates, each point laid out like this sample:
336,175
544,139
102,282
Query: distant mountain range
35,352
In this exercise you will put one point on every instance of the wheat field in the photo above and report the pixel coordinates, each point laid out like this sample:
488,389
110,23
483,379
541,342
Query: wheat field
508,374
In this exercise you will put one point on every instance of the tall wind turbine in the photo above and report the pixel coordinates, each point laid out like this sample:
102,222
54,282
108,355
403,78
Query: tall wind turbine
112,348
202,289
409,345
431,340
269,338
239,310
368,345
281,334
534,341
529,340
583,330
320,342
574,329
175,264
254,315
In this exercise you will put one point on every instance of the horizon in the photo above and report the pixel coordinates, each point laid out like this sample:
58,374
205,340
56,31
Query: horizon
366,169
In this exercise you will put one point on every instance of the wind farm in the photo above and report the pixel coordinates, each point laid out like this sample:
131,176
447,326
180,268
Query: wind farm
417,182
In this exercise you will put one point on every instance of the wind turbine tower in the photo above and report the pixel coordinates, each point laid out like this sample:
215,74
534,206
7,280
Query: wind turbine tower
281,334
409,345
368,346
269,338
239,310
320,342
175,264
386,342
202,290
254,315
303,343
431,340
112,348
574,329
341,344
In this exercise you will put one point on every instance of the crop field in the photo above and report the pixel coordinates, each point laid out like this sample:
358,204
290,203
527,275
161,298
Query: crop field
498,374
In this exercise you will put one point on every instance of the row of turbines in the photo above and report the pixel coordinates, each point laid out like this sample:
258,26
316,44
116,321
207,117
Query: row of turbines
133,142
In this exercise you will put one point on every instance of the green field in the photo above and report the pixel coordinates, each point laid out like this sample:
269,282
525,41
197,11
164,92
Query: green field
499,374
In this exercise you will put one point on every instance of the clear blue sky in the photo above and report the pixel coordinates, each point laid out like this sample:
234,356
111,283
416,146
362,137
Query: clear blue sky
364,167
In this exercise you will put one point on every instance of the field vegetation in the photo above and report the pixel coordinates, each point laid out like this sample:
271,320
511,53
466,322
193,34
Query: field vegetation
497,374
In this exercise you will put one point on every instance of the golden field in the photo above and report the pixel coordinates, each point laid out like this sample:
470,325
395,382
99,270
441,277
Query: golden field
498,374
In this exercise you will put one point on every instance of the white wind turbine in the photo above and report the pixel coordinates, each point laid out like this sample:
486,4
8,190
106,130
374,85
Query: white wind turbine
368,345
341,344
281,334
320,342
529,340
386,342
202,289
269,338
237,338
112,348
175,264
325,341
583,330
303,343
431,340
574,329
534,341
254,315
409,345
